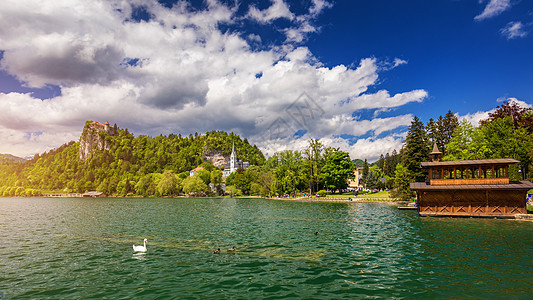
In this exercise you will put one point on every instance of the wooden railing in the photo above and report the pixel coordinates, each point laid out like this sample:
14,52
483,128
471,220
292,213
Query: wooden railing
469,181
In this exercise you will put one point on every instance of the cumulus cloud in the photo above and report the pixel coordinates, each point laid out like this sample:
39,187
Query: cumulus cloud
279,9
477,117
178,72
514,30
493,8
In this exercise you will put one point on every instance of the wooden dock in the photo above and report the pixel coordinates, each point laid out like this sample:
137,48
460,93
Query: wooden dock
407,205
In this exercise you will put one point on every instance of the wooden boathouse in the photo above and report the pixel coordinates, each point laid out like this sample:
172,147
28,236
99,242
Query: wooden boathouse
470,188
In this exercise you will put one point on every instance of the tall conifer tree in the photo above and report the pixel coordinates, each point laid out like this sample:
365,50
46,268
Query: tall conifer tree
415,149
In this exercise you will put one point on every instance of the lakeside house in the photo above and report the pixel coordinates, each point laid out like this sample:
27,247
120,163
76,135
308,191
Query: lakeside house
357,182
234,164
470,188
195,170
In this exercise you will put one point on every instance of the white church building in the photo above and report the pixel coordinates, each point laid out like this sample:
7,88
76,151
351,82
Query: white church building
234,164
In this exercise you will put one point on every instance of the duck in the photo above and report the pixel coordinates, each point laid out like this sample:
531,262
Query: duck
316,232
231,249
140,248
216,251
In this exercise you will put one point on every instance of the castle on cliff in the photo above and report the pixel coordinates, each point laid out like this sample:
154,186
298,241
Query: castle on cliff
91,139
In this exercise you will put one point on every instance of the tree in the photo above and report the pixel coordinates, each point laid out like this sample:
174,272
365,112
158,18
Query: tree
233,191
313,163
432,130
506,141
267,181
169,184
194,185
371,181
468,142
365,172
381,162
216,177
337,169
415,149
520,116
402,179
445,128
142,185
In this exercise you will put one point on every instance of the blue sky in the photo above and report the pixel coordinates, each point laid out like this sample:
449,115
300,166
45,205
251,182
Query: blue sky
184,67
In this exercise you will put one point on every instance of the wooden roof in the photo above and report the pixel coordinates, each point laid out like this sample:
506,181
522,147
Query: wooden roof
513,185
435,150
473,162
197,169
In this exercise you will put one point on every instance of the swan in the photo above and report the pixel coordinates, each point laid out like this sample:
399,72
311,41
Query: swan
140,248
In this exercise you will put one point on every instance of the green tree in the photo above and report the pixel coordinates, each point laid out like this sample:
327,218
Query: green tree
233,191
402,179
468,142
313,163
445,127
195,185
337,169
141,187
415,149
169,184
365,172
371,181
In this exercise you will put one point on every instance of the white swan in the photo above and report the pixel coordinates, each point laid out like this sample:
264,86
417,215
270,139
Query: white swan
140,248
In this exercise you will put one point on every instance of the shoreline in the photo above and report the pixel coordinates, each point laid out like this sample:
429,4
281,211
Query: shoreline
354,200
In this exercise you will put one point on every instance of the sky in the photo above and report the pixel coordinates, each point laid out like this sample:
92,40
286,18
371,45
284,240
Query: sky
277,72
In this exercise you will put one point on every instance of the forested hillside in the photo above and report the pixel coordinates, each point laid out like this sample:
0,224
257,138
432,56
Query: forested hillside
119,169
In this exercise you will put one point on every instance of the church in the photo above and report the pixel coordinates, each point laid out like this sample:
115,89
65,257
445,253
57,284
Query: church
234,163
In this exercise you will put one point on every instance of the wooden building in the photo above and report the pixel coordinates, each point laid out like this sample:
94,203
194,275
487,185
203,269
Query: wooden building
470,188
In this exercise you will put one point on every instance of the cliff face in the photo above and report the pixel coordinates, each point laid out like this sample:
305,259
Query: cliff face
93,138
216,158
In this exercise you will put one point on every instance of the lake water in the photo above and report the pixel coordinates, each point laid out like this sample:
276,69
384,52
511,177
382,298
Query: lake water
82,248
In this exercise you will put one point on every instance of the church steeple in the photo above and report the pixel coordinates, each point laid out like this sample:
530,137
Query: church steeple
232,159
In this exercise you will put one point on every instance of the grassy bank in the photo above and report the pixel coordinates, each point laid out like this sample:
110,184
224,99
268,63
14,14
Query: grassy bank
377,195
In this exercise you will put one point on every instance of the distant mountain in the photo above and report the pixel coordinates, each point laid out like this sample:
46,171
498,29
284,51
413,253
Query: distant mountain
10,157
358,162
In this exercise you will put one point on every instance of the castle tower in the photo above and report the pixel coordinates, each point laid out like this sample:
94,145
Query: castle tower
232,159
106,126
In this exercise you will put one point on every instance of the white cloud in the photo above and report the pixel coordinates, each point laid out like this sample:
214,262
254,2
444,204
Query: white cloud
514,30
494,8
179,73
279,9
475,118
520,103
319,6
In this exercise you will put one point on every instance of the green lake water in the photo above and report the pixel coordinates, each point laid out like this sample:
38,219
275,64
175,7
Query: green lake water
82,248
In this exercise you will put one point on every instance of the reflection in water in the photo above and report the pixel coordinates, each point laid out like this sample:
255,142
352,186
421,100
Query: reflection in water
139,255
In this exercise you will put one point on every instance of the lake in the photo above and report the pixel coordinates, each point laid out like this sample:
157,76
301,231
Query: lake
82,248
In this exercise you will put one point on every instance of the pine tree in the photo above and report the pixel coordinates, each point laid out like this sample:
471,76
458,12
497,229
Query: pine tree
381,162
371,181
387,170
432,130
365,171
416,149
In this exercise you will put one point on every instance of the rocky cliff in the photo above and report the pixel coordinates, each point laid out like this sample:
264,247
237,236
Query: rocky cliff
217,159
93,138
